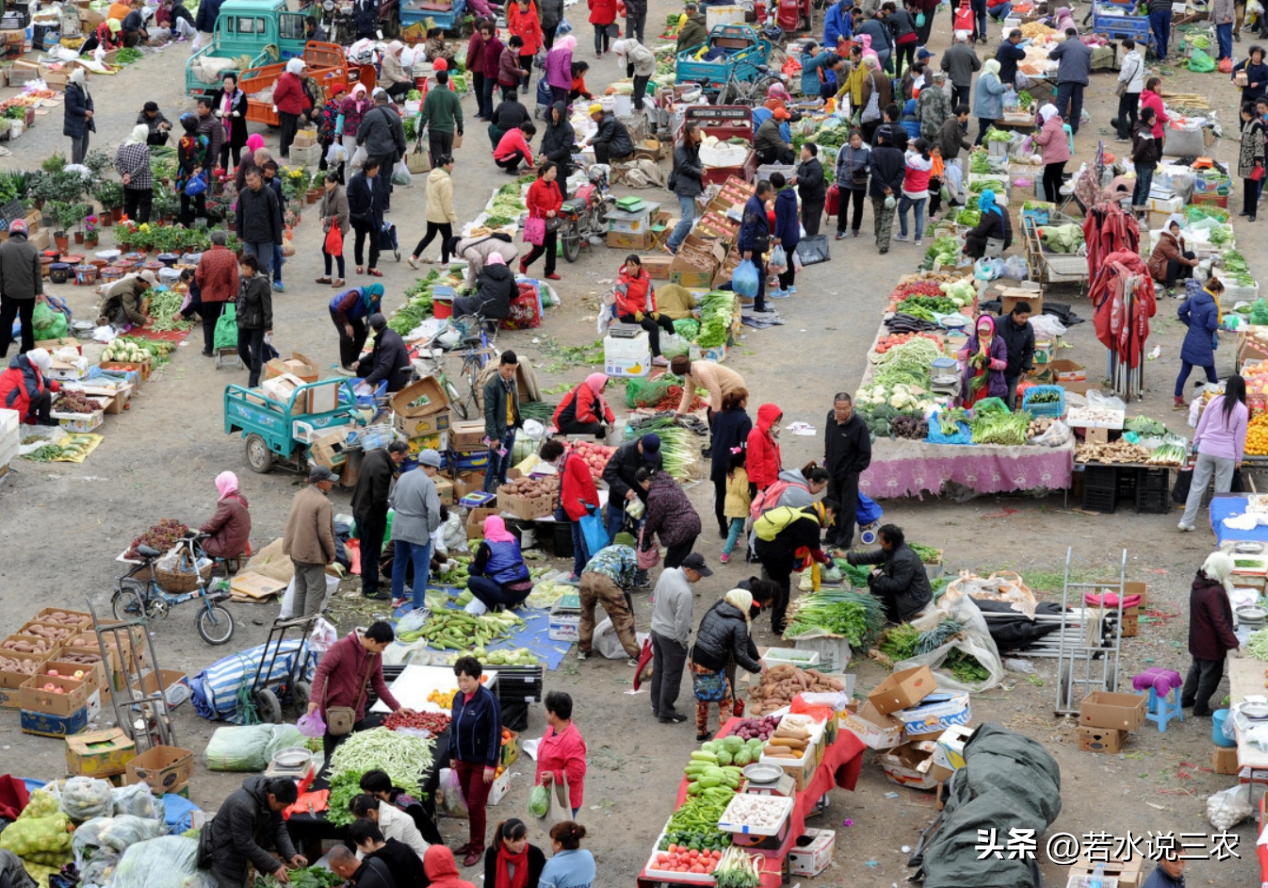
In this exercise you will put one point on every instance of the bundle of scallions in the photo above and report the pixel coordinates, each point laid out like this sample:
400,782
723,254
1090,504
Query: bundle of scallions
738,869
856,617
677,448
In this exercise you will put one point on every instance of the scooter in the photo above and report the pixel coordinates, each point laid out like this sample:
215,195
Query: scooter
582,215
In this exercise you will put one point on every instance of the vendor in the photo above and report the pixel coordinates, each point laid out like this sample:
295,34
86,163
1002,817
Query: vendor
124,301
26,388
725,636
1170,261
577,498
1019,338
985,358
784,538
769,143
475,745
583,410
370,873
499,578
229,530
379,785
620,474
388,359
345,669
350,310
247,823
900,582
1210,632
133,24
715,378
391,821
636,304
676,302
405,866
495,288
993,233
611,139
106,35
607,580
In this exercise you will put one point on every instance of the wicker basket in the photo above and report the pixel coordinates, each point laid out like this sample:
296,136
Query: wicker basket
177,582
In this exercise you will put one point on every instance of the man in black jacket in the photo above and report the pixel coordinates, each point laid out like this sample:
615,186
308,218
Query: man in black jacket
501,419
507,116
21,282
495,288
1014,328
383,136
900,581
558,140
366,198
887,168
389,358
847,452
619,473
372,872
611,141
249,819
259,221
369,509
811,188
401,860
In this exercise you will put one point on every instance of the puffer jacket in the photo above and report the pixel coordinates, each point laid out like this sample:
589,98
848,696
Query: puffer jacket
619,472
495,292
1169,247
787,225
21,384
988,97
902,578
669,513
475,731
1210,619
440,197
1201,316
73,121
780,532
242,825
763,460
613,134
229,528
559,138
723,637
688,174
1056,147
852,165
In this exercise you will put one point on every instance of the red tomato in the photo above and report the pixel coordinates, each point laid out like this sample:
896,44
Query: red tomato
673,849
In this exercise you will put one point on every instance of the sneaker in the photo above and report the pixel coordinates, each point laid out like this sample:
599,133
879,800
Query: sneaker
376,595
553,277
279,287
632,662
1178,404
919,242
792,289
573,580
676,718
726,558
1121,139
413,261
397,602
583,655
899,237
777,294
854,233
660,361
1185,528
841,235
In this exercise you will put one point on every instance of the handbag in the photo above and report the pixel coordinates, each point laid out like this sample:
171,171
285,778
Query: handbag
648,553
196,185
560,807
535,232
554,223
1256,174
334,241
340,720
593,532
709,687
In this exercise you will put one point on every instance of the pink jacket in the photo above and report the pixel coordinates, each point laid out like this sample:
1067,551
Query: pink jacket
564,754
1056,147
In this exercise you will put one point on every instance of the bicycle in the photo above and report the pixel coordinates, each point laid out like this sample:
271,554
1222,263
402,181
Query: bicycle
143,601
476,342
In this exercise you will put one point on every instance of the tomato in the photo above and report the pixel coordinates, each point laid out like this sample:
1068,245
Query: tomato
696,869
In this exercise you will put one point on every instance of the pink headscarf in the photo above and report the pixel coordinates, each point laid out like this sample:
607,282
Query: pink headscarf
566,42
778,91
358,91
596,382
495,530
255,142
495,259
226,483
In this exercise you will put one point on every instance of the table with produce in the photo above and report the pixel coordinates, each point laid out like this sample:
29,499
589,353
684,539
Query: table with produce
728,827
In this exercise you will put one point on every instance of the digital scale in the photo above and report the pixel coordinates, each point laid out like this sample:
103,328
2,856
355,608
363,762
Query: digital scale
769,780
624,331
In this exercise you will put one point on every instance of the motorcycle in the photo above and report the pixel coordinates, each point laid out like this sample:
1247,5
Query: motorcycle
582,216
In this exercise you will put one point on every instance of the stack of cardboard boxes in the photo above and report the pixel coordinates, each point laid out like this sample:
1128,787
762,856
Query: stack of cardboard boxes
1105,720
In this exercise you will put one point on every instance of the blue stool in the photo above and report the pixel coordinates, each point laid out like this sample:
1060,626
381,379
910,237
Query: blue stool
1163,686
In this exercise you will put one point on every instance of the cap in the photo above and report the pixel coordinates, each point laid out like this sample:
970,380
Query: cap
377,321
440,65
320,473
695,561
651,444
429,457
596,108
925,54
623,539
781,114
149,278
18,226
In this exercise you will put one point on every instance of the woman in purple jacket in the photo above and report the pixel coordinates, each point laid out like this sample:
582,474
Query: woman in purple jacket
559,68
1220,441
669,513
984,357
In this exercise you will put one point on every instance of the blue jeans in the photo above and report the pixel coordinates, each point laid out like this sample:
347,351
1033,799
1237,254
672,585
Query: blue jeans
733,535
1144,181
686,206
979,18
1070,99
262,252
1224,34
402,554
1185,369
579,554
277,263
1160,24
999,13
904,204
495,472
615,518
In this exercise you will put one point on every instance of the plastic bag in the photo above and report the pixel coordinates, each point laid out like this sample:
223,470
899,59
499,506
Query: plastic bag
1015,267
226,328
1105,402
283,737
744,280
450,791
165,862
778,263
238,748
1201,63
975,641
84,798
936,436
1057,435
138,801
673,346
987,269
813,250
1229,807
539,801
401,174
359,157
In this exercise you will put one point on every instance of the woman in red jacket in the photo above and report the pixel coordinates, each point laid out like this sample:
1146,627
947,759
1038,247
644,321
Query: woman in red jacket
602,14
290,102
230,528
25,387
523,22
762,460
583,410
636,304
544,200
577,499
1149,98
562,752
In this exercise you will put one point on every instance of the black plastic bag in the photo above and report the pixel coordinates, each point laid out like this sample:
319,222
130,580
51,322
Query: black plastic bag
1180,493
813,250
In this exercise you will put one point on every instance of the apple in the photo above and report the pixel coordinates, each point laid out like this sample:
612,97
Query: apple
57,690
79,674
50,687
53,672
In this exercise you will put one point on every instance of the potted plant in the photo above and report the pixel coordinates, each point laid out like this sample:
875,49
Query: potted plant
109,194
54,163
92,234
66,217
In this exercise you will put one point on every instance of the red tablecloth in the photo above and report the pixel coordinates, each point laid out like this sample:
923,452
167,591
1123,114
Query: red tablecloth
841,765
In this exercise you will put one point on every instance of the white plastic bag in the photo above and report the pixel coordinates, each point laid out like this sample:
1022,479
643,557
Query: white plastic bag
401,175
336,153
288,597
324,634
1229,807
359,157
987,269
450,792
1057,435
974,640
608,645
1105,402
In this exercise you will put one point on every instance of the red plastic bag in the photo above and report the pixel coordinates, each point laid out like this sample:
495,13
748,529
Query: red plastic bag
334,240
834,199
1226,66
818,713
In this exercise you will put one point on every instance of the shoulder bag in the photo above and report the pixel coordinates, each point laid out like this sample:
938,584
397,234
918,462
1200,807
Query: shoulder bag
535,231
340,720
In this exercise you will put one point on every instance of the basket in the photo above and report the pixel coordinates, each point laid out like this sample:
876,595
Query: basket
178,582
1054,409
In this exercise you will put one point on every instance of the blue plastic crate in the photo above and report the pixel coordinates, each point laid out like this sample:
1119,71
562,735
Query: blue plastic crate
1054,409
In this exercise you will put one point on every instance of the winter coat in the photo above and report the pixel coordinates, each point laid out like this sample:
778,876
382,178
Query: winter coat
475,731
1251,152
493,56
852,167
577,493
642,59
365,14
810,181
902,579
77,101
509,72
559,67
787,227
310,528
602,12
289,96
440,197
438,863
932,110
503,563
723,638
634,293
916,174
1146,152
1201,316
390,359
495,288
669,513
1020,342
1210,619
782,531
417,507
1150,99
374,483
477,250
620,470
582,403
768,139
716,379
365,200
837,24
961,63
543,197
900,24
441,111
731,429
1256,74
383,135
475,54
559,138
1074,61
1052,138
21,276
951,139
552,13
763,460
513,140
205,18
694,32
997,361
353,111
988,98
810,73
688,172
1008,55
536,861
754,224
1169,247
21,384
334,209
847,447
255,303
229,528
736,502
235,127
526,26
888,168
1132,69
613,134
879,83
496,393
242,826
258,218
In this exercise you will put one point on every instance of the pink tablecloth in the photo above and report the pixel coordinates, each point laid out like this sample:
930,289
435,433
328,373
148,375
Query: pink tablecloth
911,468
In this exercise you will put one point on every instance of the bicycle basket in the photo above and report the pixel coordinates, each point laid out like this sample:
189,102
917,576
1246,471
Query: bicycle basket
175,572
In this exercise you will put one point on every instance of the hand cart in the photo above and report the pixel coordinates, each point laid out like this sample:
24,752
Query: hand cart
1101,640
268,701
142,714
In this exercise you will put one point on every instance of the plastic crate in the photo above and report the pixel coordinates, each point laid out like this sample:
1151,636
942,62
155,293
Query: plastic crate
1152,480
1101,478
1100,500
1054,409
1126,483
834,653
1153,502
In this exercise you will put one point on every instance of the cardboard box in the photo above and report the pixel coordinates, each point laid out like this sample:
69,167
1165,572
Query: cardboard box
1130,588
620,240
510,751
950,750
467,434
94,674
657,266
875,729
175,684
1101,739
425,397
444,489
475,522
72,696
1101,709
903,690
812,852
468,482
468,460
282,388
499,788
99,753
330,450
162,768
46,724
690,275
565,626
908,765
525,508
418,426
1067,371
1129,873
255,586
52,345
297,365
1224,760
935,714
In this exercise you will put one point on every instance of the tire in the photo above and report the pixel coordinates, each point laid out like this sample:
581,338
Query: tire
259,457
219,631
455,401
301,693
128,603
571,237
267,707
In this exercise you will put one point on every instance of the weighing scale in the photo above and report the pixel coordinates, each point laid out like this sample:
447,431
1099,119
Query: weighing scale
769,780
291,761
624,331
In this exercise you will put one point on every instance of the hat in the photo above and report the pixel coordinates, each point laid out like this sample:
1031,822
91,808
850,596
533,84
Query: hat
377,321
623,539
925,54
320,473
440,65
780,114
651,444
596,108
695,561
149,278
114,25
429,457
18,226
40,358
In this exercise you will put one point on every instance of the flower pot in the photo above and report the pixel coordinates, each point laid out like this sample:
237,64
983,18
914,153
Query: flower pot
79,237
63,242
91,240
116,214
314,196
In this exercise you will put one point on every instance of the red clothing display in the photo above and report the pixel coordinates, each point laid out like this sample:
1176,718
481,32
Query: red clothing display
1111,314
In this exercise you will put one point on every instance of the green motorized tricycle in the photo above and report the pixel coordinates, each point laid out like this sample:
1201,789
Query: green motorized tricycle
281,431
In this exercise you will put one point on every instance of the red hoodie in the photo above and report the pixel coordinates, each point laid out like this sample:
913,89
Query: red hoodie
564,755
441,868
577,488
762,460
512,140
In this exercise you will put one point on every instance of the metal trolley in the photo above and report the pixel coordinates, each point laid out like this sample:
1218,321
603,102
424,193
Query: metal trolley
1100,641
141,712
268,700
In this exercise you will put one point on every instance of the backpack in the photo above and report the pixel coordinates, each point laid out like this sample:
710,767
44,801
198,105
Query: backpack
769,498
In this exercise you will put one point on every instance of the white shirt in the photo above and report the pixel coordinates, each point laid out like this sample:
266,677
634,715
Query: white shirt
396,824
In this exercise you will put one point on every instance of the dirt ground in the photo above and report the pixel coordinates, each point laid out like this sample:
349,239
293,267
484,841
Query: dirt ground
63,524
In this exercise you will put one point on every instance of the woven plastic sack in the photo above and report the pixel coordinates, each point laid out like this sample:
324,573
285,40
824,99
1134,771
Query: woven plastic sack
241,748
227,328
84,798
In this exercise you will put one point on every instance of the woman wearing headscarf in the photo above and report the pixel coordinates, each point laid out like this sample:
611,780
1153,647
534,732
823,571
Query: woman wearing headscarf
559,68
290,102
777,93
984,358
583,410
132,163
230,105
1054,149
1220,442
724,636
1201,314
77,121
393,77
994,225
1210,631
191,153
351,111
988,100
1063,20
229,529
350,311
499,577
1170,260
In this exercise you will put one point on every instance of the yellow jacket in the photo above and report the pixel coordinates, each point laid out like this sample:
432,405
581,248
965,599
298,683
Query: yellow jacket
853,84
737,497
440,197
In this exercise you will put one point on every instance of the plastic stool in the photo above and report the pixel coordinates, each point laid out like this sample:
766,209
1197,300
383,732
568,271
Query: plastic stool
1163,686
